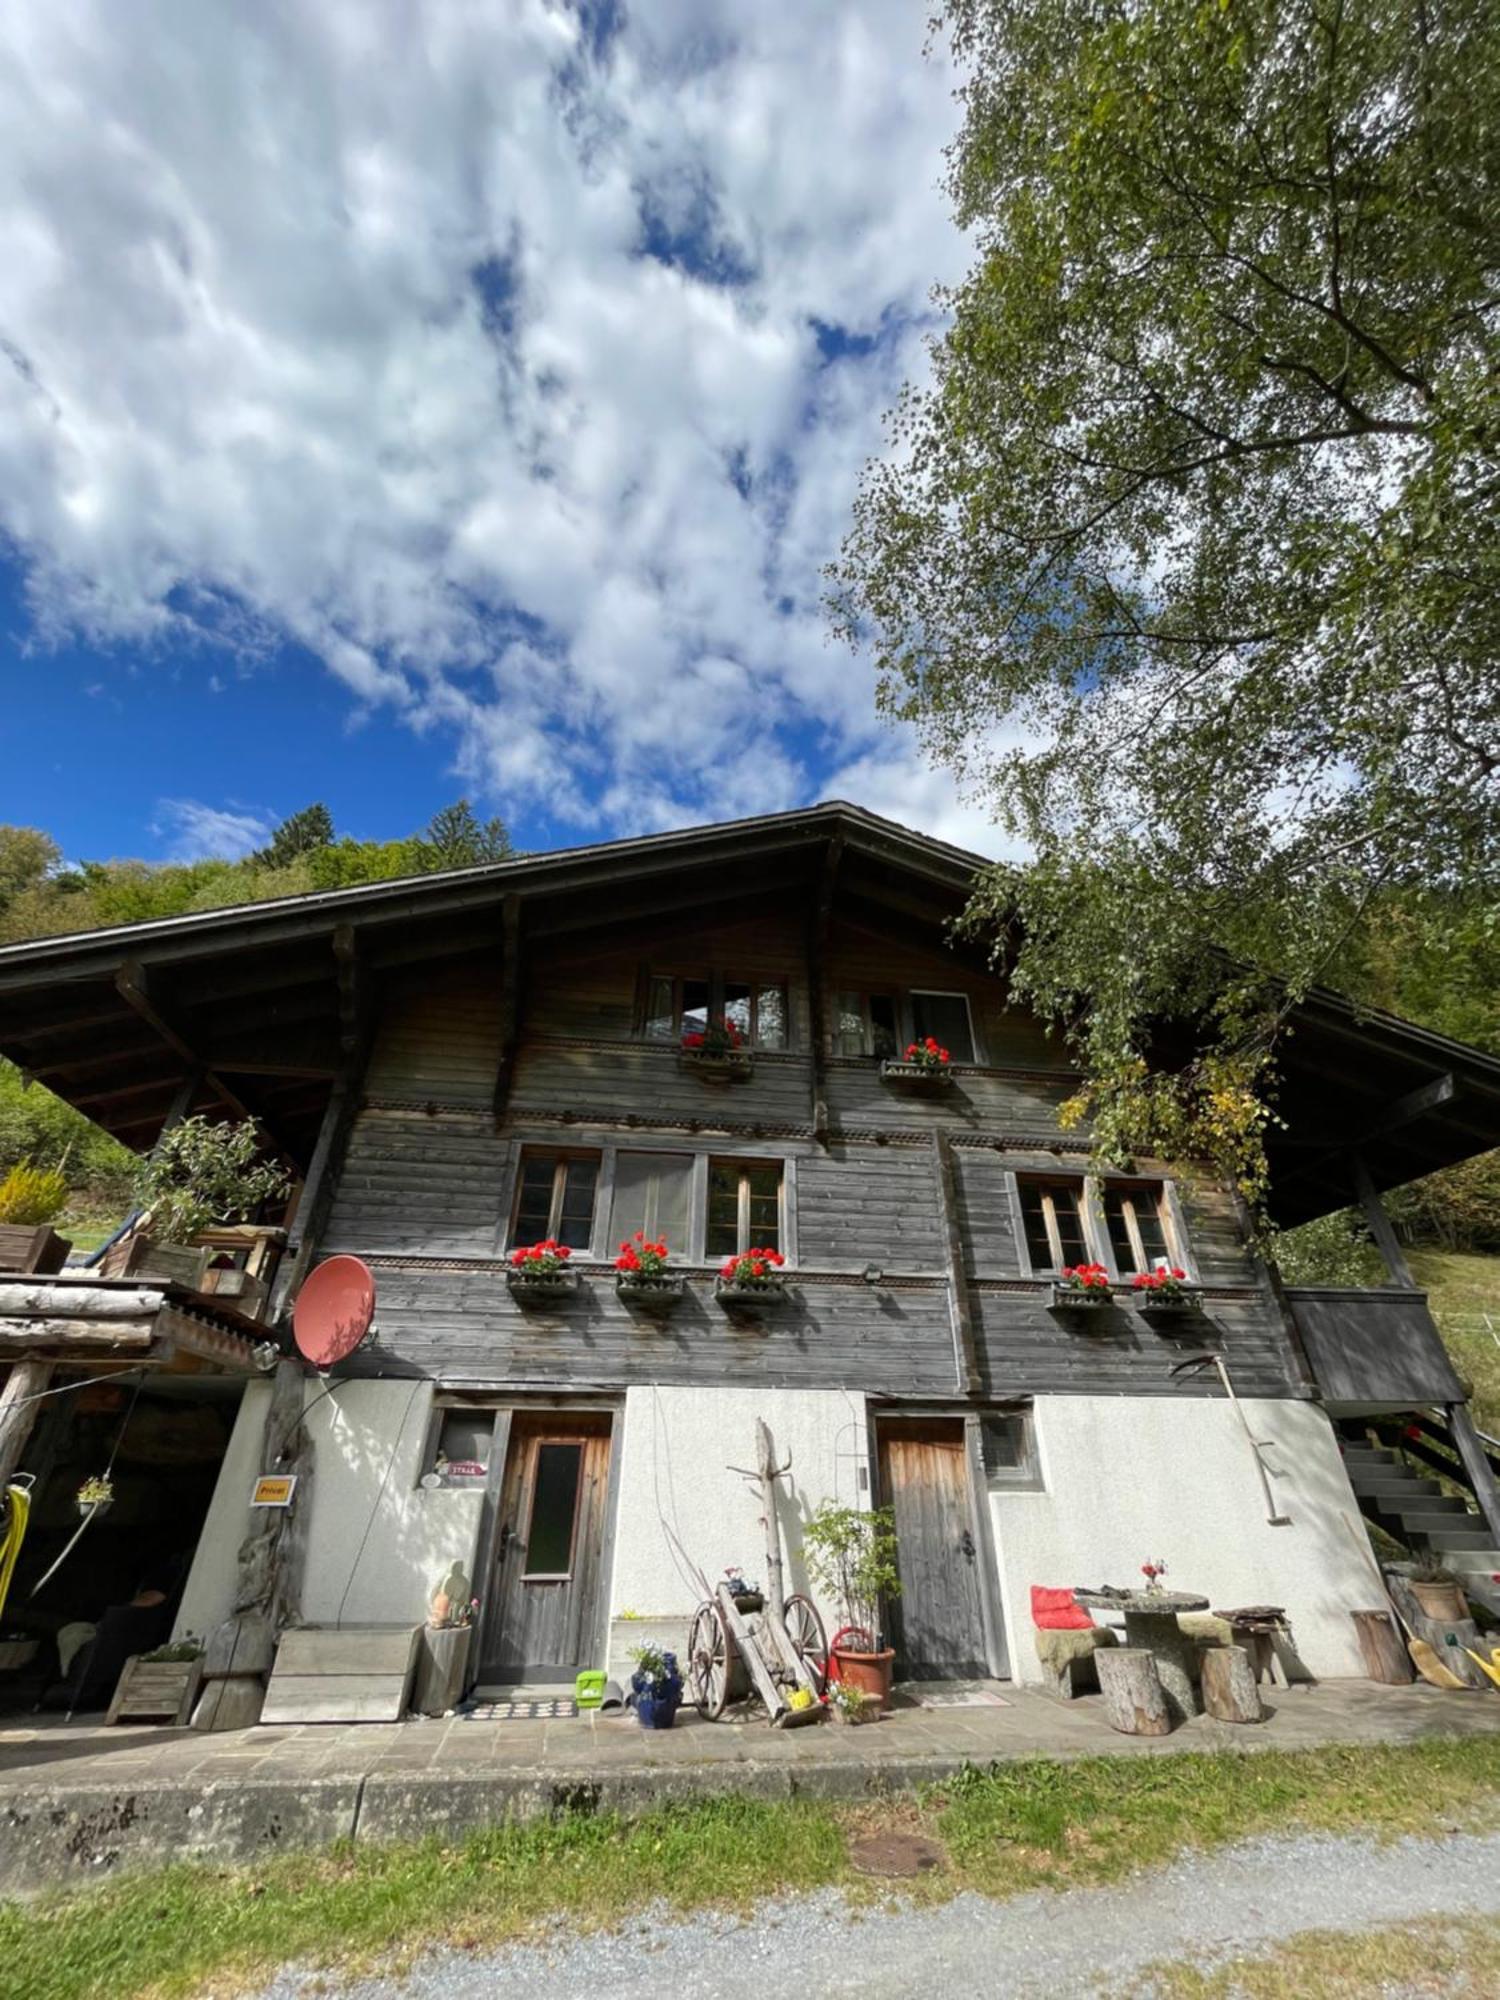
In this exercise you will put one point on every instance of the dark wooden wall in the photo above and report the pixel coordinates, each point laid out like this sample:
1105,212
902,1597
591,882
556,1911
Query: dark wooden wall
426,1182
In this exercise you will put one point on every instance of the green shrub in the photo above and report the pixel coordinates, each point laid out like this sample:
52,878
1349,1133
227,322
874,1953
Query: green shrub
32,1194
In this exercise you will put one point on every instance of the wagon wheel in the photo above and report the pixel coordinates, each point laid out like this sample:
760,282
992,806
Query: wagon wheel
708,1661
809,1640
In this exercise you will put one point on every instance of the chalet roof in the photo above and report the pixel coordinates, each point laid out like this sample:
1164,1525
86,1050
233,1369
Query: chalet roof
250,1008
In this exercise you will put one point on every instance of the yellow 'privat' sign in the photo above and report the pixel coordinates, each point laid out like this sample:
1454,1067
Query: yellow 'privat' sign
275,1490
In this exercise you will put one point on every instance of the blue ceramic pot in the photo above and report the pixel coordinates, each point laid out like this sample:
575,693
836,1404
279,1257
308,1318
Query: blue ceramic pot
657,1711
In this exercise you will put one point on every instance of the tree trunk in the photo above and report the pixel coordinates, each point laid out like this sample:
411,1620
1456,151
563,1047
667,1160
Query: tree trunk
1383,1648
1229,1690
26,1380
1132,1690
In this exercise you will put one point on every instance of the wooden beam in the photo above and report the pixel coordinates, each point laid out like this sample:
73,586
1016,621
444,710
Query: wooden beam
350,987
987,1568
819,930
1386,1240
25,1382
1403,1111
510,1000
321,1182
1467,1443
965,1348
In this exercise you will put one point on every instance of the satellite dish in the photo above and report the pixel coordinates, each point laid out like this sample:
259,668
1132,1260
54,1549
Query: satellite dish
334,1310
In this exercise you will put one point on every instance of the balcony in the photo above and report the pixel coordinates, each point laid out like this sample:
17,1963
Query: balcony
1374,1349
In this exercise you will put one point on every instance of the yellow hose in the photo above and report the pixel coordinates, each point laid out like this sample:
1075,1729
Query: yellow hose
17,1515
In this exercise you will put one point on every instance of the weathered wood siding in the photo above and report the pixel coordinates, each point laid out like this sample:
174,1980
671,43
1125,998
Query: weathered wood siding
425,1190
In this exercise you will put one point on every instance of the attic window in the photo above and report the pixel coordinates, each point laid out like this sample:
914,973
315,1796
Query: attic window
944,1016
679,1004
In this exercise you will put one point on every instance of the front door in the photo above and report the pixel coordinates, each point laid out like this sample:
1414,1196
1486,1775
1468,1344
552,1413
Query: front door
937,1626
542,1611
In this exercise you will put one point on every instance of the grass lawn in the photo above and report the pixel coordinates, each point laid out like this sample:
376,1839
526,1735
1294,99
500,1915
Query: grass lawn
1457,1958
1008,1829
1458,1288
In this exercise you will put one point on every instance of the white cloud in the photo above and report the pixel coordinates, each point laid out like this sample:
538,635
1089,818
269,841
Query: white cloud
194,831
569,513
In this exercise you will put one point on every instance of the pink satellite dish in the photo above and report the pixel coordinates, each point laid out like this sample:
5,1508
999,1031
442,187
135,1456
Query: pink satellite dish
334,1310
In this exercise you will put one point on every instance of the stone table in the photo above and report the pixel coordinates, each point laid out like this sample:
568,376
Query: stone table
1151,1622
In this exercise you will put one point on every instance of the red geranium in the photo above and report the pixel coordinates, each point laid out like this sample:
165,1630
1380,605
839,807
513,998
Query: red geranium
640,1258
752,1267
927,1054
541,1259
1090,1278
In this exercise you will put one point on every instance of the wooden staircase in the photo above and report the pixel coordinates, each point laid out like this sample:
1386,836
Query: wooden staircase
1412,1507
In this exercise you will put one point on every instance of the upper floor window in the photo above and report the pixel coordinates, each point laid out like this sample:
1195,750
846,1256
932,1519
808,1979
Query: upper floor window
944,1016
866,1025
653,1194
1052,1218
555,1197
744,1207
1140,1232
678,1005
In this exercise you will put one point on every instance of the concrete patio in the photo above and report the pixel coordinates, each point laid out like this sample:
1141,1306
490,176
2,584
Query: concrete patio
78,1801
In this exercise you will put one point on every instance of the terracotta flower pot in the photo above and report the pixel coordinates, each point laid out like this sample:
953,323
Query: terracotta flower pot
869,1672
1444,1602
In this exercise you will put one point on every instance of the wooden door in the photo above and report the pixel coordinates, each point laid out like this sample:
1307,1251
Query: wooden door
937,1626
542,1610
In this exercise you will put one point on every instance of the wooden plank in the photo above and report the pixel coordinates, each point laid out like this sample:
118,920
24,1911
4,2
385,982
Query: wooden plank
43,1331
336,1698
965,1350
510,1000
311,1649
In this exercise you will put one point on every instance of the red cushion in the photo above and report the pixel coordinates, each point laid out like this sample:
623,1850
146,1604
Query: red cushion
1056,1611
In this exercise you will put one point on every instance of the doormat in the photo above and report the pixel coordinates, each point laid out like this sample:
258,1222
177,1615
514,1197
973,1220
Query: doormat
953,1698
519,1711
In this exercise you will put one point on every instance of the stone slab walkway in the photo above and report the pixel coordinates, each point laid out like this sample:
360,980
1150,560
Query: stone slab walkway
77,1802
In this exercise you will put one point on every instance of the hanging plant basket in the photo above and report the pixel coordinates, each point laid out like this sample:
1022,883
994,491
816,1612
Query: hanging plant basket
660,1295
721,1066
916,1079
87,1509
542,1288
763,1296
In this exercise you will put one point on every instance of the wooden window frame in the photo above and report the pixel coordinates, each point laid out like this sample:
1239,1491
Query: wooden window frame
900,1017
743,1163
1026,1477
560,1155
944,993
552,1575
1162,1194
684,1153
1080,1188
716,981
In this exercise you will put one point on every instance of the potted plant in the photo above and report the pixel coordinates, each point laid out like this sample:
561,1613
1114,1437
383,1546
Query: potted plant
924,1070
539,1273
1165,1293
95,1496
751,1282
642,1278
716,1052
1082,1287
657,1685
851,1555
1438,1591
850,1704
159,1686
199,1176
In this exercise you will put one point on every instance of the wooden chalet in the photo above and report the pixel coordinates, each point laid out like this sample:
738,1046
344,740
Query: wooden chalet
467,1062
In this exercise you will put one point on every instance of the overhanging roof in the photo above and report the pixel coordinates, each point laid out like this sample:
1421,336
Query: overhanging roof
250,1008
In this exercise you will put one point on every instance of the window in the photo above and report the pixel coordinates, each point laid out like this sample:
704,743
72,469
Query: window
556,1198
1009,1449
1137,1223
653,1193
554,1509
677,1006
460,1448
1052,1218
944,1016
744,1207
865,1025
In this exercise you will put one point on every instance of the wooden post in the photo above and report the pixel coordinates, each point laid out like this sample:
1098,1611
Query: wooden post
765,1459
965,1350
1386,1240
1132,1690
1467,1443
1382,1648
1229,1690
819,926
510,1001
26,1380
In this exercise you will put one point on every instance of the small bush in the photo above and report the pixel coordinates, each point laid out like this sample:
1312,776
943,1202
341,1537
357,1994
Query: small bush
32,1194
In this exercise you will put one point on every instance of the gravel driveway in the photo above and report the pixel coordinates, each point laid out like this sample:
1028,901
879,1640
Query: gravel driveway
1079,1942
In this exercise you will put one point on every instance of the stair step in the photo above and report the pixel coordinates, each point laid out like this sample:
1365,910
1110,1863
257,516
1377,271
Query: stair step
1392,1483
1460,1538
1473,1562
1430,1506
1365,1454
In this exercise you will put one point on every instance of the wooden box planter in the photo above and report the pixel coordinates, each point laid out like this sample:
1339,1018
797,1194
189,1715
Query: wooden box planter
1171,1315
659,1296
156,1691
245,1293
36,1249
734,1066
1081,1306
542,1288
915,1079
751,1299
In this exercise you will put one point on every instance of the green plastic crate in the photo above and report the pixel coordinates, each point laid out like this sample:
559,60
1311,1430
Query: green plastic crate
588,1689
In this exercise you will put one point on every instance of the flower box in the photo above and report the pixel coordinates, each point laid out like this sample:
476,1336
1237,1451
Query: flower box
541,1288
916,1079
717,1066
1074,1299
661,1293
1186,1304
759,1296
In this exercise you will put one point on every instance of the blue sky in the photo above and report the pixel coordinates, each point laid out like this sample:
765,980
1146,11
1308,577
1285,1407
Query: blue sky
405,399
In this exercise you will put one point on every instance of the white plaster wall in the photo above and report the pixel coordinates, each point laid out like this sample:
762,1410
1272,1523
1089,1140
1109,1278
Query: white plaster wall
379,1544
208,1597
1130,1479
676,1448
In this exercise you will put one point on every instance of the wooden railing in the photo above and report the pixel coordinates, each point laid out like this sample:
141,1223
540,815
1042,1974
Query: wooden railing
1374,1346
